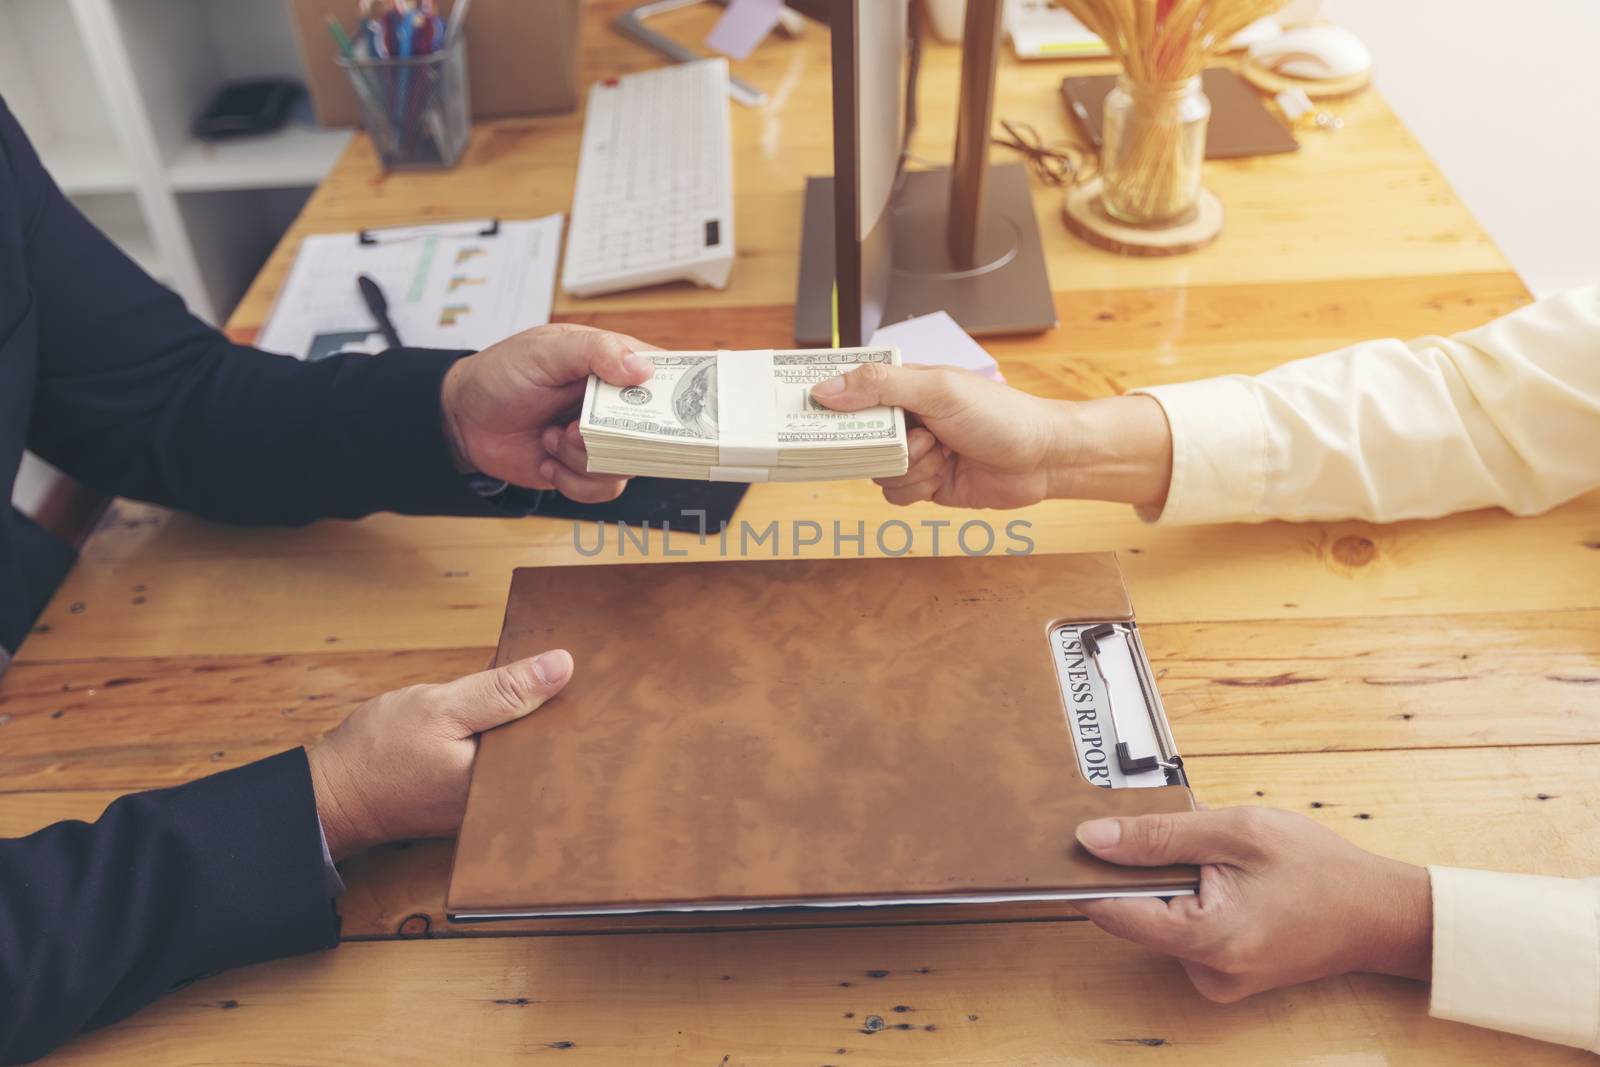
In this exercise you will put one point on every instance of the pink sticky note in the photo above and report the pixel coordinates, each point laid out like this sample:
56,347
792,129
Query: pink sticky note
935,340
744,25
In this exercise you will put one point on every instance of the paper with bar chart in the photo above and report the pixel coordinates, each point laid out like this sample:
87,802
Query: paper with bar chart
454,285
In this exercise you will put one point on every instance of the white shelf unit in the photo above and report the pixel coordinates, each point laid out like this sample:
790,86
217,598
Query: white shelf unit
108,90
88,166
47,78
282,161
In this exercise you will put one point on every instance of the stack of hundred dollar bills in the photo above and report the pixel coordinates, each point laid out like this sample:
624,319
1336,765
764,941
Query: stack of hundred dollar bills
680,424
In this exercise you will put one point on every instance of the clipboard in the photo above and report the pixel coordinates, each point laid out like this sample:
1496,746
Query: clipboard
1119,731
455,284
799,736
395,234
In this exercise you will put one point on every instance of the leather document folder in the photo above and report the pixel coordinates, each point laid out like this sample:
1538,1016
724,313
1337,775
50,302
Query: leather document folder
818,733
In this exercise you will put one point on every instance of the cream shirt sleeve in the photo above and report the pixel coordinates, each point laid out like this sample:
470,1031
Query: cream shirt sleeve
1518,952
1505,415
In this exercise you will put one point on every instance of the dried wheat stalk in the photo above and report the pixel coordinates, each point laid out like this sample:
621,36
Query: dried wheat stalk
1161,44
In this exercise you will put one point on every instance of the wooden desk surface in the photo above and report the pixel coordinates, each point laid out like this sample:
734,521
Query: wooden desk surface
1429,689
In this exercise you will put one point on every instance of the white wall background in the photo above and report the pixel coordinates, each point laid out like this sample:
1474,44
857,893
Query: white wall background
1505,96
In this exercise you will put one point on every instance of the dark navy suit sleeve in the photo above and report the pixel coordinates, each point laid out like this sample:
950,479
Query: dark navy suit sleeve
98,920
137,397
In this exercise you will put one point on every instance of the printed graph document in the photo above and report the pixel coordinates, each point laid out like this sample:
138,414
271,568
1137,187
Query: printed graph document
447,286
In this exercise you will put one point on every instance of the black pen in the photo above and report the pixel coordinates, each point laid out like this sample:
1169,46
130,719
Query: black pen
379,306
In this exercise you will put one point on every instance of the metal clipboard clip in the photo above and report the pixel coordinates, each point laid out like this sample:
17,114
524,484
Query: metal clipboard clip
1114,713
1165,755
396,234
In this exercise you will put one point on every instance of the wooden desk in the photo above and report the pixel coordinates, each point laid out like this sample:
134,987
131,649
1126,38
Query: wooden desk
1429,689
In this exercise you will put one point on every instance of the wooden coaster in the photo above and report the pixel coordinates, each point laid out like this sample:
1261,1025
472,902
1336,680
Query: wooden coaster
1269,81
1088,219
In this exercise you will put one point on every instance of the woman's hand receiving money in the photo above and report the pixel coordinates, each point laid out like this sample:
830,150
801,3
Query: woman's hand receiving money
982,444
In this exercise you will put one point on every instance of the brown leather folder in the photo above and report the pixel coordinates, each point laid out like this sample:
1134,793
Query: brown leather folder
800,732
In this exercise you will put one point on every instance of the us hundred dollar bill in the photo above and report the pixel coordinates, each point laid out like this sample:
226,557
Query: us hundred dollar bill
680,403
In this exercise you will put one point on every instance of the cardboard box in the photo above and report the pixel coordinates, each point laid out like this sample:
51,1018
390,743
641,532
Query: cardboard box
522,57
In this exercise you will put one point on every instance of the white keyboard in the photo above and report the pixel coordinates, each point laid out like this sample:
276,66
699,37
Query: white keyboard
654,199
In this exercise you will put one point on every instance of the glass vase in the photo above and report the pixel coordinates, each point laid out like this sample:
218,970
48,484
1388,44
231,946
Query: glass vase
1154,144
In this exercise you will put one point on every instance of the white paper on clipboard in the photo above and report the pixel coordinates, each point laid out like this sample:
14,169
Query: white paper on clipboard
1089,716
447,287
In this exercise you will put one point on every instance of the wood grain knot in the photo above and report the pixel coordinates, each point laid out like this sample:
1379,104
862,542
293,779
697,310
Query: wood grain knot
1354,551
417,925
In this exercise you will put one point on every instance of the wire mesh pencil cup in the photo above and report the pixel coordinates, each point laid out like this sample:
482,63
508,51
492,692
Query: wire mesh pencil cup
416,109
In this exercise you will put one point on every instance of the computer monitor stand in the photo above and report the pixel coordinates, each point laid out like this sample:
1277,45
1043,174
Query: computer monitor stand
1008,291
962,239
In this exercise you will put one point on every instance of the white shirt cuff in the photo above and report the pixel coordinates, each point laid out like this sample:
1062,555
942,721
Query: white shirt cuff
1519,953
1219,452
330,872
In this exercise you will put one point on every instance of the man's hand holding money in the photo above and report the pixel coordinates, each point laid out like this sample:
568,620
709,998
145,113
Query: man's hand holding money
741,416
506,407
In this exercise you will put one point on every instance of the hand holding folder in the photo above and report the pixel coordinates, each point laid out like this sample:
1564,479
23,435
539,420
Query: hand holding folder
1281,900
815,733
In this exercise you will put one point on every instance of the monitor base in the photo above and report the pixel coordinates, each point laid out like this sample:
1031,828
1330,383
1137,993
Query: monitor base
1007,292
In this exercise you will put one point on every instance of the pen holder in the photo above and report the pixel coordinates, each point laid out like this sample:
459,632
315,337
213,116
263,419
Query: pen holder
416,109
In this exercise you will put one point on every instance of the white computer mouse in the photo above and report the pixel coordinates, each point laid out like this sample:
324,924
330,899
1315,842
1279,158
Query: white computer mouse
1315,52
1262,29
